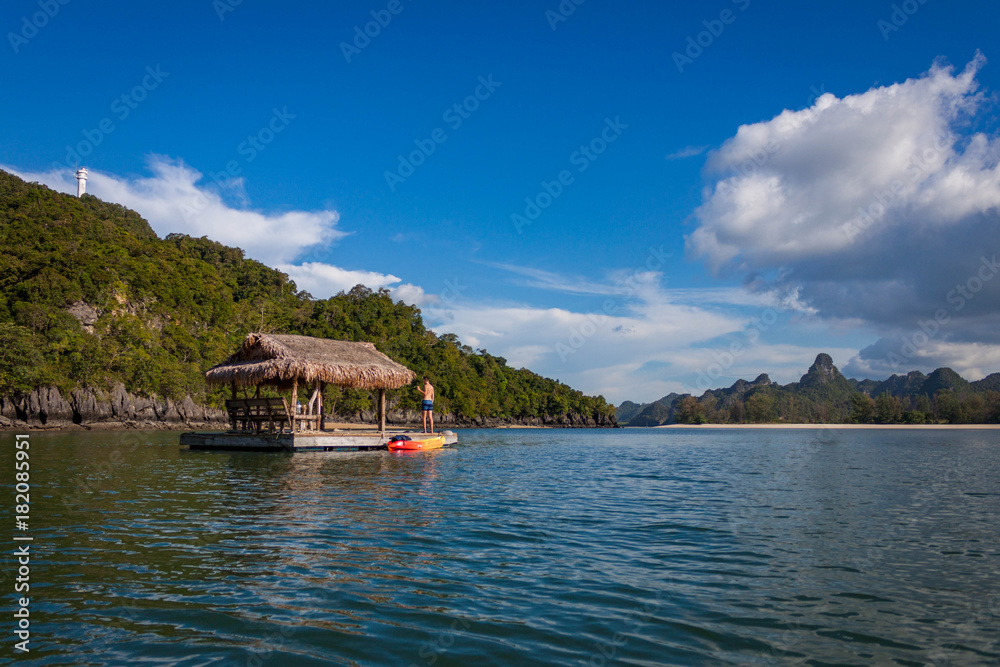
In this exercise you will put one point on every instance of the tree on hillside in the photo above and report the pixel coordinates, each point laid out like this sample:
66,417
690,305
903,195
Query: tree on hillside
888,409
973,409
862,409
947,406
20,360
992,407
760,408
690,411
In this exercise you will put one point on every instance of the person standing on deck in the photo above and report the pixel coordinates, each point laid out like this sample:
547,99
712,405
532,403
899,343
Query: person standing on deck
428,404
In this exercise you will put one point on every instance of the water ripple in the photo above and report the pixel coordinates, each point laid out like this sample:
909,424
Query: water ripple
638,547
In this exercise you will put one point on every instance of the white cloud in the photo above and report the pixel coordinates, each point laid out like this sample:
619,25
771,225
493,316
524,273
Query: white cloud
548,280
414,295
826,179
172,200
325,280
618,282
872,208
649,349
687,151
648,342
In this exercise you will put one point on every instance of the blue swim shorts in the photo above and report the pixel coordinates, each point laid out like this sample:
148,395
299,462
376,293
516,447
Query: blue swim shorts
428,405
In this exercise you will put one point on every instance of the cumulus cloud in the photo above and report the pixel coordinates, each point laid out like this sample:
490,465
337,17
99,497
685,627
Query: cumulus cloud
878,208
324,280
172,200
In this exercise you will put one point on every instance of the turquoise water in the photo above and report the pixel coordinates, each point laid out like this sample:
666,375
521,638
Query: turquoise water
548,547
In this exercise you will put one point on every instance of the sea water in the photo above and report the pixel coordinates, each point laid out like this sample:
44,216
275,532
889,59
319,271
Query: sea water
536,547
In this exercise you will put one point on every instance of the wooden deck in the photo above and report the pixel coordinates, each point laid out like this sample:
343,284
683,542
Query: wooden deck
310,441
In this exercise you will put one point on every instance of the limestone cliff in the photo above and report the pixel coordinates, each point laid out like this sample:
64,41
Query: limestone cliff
46,407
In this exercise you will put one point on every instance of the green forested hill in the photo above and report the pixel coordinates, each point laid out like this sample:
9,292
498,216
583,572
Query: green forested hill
90,296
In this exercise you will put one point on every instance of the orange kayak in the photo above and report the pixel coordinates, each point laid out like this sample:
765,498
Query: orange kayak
430,442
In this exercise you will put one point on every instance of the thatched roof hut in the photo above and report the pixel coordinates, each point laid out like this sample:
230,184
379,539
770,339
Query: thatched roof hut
286,361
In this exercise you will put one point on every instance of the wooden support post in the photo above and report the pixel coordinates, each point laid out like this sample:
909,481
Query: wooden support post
295,402
322,414
381,410
232,385
312,410
313,400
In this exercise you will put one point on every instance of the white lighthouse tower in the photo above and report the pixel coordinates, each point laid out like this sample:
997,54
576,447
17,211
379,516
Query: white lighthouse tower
81,181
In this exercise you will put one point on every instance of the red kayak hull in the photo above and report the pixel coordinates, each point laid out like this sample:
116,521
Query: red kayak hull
430,442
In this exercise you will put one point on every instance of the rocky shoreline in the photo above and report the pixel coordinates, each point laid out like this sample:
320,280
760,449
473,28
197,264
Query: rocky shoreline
46,408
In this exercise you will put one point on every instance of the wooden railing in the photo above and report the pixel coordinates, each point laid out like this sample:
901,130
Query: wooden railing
271,414
256,414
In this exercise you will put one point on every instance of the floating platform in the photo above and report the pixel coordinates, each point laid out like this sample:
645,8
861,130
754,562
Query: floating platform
309,441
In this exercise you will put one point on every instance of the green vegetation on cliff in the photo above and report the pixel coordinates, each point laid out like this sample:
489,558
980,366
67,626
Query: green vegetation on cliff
90,296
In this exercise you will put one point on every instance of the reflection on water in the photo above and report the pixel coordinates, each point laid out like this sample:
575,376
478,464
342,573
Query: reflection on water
637,547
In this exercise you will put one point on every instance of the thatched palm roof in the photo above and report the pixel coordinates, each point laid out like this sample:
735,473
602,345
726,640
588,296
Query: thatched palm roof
279,360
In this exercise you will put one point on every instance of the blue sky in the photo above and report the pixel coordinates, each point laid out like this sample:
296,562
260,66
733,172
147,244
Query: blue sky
633,198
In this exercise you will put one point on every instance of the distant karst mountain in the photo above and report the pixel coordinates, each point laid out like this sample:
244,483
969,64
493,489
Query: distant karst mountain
824,395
